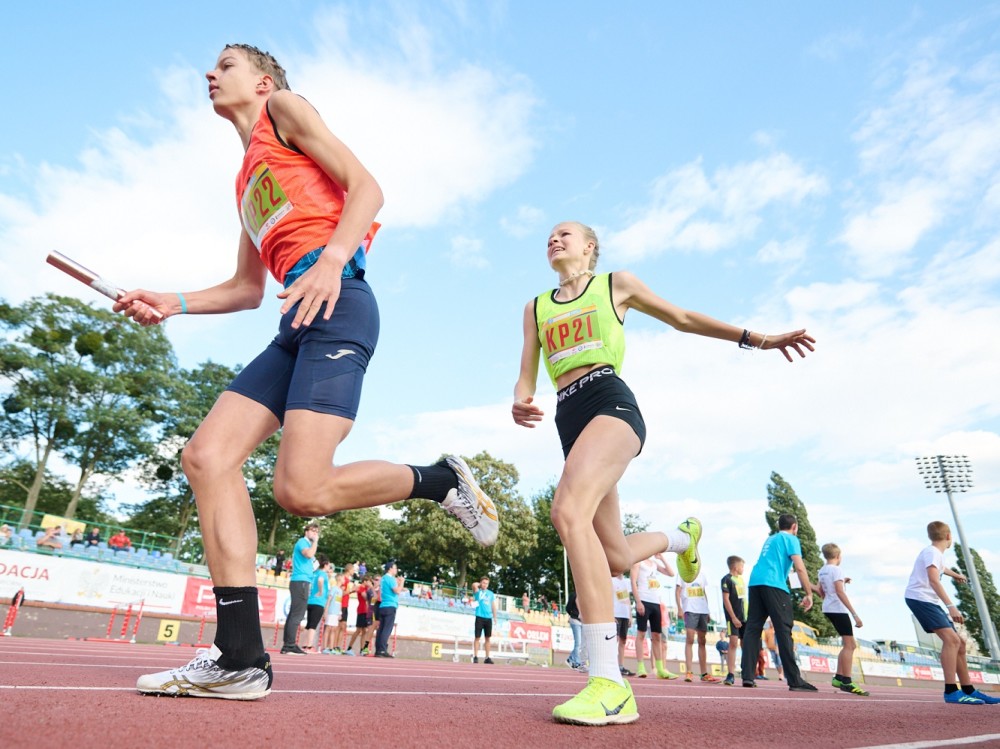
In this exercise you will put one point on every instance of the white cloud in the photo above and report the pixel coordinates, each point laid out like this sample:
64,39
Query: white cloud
468,252
789,251
928,154
689,210
526,221
155,207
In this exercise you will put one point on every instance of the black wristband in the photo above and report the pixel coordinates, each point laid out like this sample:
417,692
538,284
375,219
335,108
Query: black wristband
745,340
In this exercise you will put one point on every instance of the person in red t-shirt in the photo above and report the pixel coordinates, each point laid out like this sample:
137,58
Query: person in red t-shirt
364,621
120,541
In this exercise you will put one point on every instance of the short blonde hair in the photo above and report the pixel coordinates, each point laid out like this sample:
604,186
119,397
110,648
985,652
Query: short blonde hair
830,551
938,530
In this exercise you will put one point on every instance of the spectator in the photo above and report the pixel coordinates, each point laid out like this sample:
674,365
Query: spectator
5,534
363,622
771,646
525,603
77,538
319,592
391,587
436,587
692,604
770,596
331,639
347,587
279,562
362,569
93,537
576,627
486,614
50,539
120,541
298,587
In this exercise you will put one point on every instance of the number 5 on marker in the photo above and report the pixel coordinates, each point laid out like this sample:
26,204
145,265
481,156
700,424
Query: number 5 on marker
169,629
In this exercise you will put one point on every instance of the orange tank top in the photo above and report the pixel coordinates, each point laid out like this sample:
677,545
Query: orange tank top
288,204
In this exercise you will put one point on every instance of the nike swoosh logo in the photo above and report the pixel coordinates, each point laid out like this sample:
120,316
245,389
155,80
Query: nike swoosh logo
610,637
229,603
616,710
340,353
619,408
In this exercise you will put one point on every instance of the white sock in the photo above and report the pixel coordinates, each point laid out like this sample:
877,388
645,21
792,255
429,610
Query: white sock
602,644
677,540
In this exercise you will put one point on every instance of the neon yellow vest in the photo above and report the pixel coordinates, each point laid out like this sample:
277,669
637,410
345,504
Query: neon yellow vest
581,332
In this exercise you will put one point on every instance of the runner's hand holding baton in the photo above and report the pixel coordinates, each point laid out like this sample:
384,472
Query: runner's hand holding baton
99,284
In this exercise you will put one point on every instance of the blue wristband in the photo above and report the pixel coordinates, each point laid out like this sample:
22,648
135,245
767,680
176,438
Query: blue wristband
184,306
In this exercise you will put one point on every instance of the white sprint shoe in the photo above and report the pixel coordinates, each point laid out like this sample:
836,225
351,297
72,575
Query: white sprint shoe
203,677
470,504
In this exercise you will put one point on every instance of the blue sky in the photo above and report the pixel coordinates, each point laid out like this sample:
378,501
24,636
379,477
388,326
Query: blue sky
776,165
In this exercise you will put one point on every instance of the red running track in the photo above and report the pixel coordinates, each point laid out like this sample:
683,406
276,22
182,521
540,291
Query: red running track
82,695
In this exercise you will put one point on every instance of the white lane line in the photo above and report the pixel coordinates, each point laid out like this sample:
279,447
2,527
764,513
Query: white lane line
429,693
931,743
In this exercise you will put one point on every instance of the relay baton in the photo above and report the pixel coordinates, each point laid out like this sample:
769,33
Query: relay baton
91,279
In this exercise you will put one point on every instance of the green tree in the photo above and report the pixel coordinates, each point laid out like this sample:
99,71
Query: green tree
541,570
359,535
782,499
430,542
16,478
967,600
84,383
172,510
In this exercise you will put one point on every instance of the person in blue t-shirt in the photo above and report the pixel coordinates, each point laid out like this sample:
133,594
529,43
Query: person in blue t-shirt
769,596
298,587
319,592
486,614
390,587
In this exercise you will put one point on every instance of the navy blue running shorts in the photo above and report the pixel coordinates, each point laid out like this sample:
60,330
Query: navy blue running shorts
319,367
600,392
931,616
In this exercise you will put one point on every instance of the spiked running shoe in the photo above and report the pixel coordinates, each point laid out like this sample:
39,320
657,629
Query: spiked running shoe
602,702
851,688
640,670
985,698
470,504
729,681
665,674
709,679
203,677
688,561
961,698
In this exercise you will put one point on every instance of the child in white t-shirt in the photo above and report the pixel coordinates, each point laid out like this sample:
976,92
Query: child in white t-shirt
333,605
924,595
692,602
838,609
622,590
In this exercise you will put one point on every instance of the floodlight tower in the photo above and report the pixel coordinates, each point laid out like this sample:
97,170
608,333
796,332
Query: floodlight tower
948,474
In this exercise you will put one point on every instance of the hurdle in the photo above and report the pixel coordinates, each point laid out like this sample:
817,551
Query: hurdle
15,606
123,635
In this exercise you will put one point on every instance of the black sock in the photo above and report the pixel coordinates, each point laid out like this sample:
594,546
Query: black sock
237,632
968,688
950,688
843,679
433,482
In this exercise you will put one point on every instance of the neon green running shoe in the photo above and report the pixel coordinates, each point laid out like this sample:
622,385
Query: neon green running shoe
688,562
666,674
640,670
601,703
837,683
851,688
